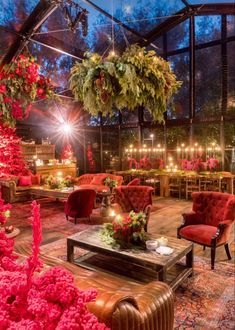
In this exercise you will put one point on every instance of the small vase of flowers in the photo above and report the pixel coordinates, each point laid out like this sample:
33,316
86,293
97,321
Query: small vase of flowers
124,232
110,183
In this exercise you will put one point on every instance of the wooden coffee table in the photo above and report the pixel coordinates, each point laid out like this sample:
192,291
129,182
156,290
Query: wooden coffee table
42,191
165,268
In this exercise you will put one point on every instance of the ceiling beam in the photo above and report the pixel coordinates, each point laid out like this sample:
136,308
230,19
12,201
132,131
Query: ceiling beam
38,16
214,9
168,24
57,45
165,26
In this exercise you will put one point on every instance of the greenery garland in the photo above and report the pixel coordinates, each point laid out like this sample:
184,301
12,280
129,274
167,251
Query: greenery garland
137,78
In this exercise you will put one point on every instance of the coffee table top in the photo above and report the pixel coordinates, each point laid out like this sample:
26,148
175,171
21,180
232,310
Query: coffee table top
91,240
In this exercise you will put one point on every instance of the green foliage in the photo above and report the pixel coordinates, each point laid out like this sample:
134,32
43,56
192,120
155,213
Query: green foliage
137,78
110,183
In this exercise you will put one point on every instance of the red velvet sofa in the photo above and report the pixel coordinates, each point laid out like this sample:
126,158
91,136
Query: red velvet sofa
96,181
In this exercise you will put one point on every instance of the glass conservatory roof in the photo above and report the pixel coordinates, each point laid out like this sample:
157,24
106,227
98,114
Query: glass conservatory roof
118,21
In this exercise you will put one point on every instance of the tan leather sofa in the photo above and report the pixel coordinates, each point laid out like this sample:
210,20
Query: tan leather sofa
121,304
12,193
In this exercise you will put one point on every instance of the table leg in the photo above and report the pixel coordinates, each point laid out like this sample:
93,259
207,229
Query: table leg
70,251
162,275
189,259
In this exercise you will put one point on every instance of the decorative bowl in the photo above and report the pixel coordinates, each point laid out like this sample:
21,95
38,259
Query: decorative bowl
151,245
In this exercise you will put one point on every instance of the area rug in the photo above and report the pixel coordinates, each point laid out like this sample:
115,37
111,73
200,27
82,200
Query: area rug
205,301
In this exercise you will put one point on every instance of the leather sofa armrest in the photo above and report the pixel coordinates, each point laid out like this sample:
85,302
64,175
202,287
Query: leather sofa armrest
8,190
149,306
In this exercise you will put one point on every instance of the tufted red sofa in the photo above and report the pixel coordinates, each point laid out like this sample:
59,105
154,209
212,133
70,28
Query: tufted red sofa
136,198
211,221
96,181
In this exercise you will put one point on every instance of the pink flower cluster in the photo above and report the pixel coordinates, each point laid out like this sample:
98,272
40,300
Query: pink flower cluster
20,85
195,164
48,301
213,164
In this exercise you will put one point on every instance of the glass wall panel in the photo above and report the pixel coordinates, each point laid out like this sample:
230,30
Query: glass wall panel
93,161
178,37
13,13
53,64
129,117
129,137
110,149
157,46
207,28
230,25
111,120
208,82
6,40
229,137
231,76
180,66
176,137
141,15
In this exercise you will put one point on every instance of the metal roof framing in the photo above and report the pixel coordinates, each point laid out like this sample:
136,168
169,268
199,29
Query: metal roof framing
38,16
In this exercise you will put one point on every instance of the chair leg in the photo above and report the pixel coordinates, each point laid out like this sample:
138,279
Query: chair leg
67,217
212,257
226,246
204,247
75,220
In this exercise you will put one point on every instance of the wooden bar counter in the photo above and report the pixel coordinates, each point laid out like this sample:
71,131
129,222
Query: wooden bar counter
68,169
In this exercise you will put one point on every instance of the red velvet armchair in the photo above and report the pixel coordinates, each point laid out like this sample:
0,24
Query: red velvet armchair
134,182
80,204
136,198
211,221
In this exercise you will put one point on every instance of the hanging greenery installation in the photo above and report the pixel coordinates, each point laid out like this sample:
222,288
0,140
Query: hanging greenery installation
137,78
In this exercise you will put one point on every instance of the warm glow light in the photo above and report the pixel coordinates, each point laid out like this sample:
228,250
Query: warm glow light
112,213
66,128
151,135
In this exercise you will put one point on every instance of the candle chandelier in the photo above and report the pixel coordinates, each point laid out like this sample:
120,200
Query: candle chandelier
75,15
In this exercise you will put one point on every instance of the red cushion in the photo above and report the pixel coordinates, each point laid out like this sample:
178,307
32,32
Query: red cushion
201,234
25,180
36,179
99,179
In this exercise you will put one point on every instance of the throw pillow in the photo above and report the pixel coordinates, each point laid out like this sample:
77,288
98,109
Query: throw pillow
98,179
36,179
25,180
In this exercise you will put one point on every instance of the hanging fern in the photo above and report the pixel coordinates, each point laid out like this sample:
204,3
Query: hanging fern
137,78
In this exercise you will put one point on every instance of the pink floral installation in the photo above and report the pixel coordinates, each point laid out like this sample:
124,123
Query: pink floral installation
133,163
213,164
47,301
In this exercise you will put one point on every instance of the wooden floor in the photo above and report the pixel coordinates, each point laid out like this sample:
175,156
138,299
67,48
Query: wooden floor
164,221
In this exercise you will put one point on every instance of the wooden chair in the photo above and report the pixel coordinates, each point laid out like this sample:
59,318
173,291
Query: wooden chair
193,184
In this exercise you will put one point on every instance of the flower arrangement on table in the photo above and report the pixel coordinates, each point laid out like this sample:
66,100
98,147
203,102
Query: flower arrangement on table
110,183
20,85
57,182
125,231
49,300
